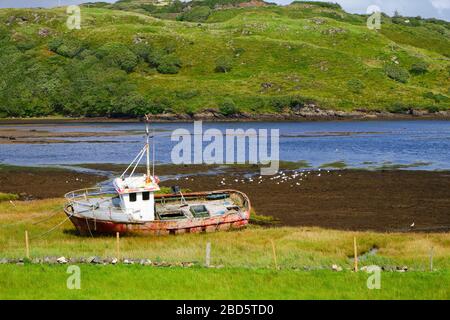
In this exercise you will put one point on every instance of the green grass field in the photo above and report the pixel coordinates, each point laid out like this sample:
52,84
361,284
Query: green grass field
247,268
140,282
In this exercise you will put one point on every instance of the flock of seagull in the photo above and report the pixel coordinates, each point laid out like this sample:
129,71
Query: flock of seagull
295,178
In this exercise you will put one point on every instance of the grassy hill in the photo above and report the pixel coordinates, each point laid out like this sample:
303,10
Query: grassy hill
137,57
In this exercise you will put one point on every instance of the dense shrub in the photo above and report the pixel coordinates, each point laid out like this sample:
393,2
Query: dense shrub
286,103
228,107
224,64
196,14
438,98
169,64
420,67
399,107
26,43
355,85
432,108
396,72
161,105
143,51
117,54
66,47
187,94
322,4
280,103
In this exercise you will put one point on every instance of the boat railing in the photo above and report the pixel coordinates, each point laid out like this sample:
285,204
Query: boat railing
82,196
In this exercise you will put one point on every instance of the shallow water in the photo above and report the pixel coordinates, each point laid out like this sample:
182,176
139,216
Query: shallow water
359,144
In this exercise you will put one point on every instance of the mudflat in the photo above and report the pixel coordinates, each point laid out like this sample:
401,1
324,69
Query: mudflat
382,200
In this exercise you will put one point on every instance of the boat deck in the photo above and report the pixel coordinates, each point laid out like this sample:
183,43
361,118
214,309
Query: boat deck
101,208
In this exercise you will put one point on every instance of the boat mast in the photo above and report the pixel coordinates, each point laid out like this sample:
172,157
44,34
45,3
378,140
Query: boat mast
148,180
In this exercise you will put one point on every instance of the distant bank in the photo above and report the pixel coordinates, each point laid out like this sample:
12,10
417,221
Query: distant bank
215,116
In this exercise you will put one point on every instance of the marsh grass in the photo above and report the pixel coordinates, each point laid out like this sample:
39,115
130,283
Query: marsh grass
8,196
248,248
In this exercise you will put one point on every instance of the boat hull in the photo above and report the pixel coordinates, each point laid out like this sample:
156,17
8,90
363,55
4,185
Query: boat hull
89,226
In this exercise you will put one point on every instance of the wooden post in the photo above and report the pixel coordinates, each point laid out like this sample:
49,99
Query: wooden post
208,254
355,253
27,245
118,245
274,254
431,259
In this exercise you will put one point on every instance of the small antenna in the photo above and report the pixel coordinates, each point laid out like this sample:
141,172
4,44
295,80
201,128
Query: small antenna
154,150
147,132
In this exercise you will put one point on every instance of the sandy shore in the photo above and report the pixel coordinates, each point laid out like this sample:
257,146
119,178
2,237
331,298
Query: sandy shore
389,200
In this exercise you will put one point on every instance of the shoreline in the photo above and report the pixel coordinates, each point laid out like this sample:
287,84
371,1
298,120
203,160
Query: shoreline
326,115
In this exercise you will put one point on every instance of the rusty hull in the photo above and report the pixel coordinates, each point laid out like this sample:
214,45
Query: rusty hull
89,226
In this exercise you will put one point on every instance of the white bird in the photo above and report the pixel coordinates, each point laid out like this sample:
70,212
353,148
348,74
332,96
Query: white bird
10,201
412,225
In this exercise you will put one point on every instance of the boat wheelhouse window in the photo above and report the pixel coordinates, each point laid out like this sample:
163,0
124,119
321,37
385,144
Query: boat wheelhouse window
145,196
133,197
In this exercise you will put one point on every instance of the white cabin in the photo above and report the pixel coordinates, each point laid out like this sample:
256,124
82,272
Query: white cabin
136,196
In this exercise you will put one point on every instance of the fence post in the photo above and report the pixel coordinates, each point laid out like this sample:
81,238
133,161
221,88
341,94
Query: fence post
355,249
208,254
27,245
274,254
118,245
431,259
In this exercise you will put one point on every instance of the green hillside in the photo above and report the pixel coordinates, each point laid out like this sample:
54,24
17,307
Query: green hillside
135,57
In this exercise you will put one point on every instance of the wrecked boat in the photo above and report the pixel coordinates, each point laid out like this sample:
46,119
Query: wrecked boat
134,205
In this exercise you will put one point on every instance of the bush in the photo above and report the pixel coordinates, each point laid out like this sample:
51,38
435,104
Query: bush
432,109
161,105
143,51
438,98
54,44
396,73
196,14
399,107
8,197
322,4
187,94
117,54
280,103
228,107
224,64
68,48
169,64
355,85
419,68
294,103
